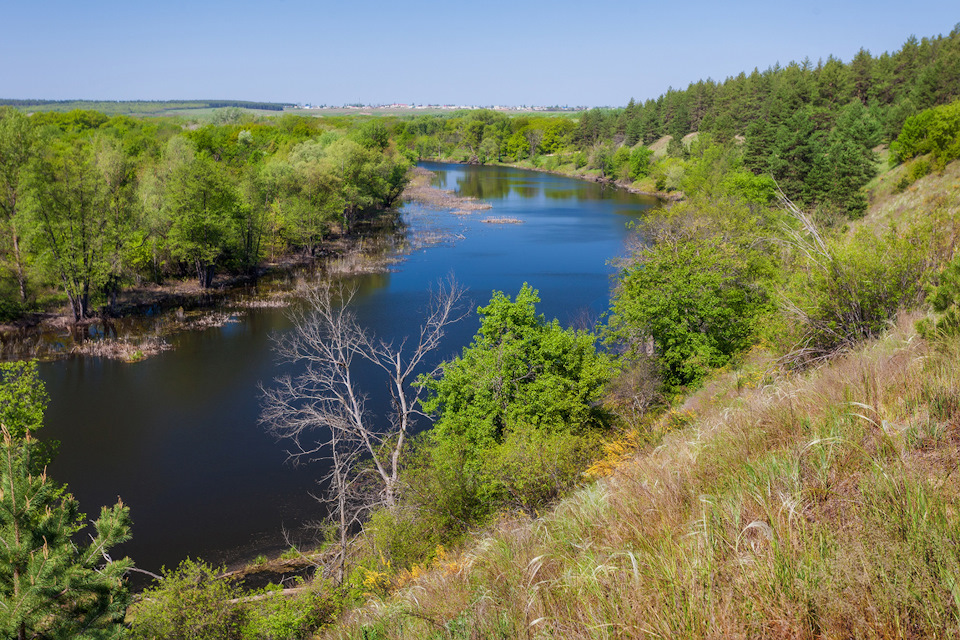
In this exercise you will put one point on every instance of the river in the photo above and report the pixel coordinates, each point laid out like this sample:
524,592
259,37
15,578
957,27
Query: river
177,436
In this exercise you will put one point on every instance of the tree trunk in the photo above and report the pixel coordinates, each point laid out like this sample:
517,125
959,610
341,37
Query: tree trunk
85,301
75,306
205,273
21,278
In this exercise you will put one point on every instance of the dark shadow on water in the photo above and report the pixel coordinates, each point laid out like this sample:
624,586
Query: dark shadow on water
177,436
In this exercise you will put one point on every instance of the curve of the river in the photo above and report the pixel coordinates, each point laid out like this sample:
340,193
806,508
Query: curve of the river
177,436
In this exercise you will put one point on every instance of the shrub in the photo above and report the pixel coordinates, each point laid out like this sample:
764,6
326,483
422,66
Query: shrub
532,468
694,297
403,536
285,617
943,294
854,292
935,131
190,602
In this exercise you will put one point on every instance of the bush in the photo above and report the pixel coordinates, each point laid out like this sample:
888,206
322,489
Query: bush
532,468
855,293
915,169
943,295
285,617
620,163
403,536
750,187
694,297
10,307
918,169
189,602
935,131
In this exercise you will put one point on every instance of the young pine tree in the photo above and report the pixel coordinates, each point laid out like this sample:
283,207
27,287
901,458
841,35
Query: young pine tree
50,585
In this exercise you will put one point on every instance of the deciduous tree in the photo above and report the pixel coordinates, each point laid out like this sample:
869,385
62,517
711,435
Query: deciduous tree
68,210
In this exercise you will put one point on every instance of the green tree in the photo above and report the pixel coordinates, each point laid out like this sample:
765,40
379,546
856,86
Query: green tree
118,177
373,134
204,205
935,131
149,247
51,585
556,135
640,159
364,179
522,380
517,146
843,162
23,401
18,140
794,147
472,136
691,297
68,211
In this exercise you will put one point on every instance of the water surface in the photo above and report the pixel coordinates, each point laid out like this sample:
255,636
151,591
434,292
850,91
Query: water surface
177,436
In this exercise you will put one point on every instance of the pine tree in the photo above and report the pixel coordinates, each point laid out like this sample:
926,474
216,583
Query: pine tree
50,585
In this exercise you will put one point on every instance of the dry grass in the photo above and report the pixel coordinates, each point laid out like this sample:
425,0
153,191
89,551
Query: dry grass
360,262
276,300
502,220
659,147
937,193
126,349
205,320
820,505
419,190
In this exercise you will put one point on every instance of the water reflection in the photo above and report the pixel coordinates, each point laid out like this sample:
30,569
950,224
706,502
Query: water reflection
499,183
177,436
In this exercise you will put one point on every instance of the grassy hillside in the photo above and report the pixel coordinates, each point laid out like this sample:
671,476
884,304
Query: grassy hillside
773,503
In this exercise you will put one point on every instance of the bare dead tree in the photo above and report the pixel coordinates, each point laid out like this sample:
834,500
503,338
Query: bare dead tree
805,238
322,411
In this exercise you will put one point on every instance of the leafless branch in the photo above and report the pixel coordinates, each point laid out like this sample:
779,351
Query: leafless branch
321,412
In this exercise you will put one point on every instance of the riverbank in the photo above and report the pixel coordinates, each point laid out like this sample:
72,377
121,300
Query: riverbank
142,319
420,190
569,171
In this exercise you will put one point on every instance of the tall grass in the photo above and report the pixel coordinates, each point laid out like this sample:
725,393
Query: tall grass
823,505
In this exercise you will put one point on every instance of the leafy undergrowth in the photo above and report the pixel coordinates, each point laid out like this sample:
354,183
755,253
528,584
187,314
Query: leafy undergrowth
819,505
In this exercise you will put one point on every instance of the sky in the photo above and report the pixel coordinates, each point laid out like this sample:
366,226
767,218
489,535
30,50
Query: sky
496,52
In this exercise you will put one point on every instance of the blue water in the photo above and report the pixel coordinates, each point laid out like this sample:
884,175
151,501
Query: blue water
177,436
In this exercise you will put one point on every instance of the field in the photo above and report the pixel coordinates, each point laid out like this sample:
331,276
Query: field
146,108
204,109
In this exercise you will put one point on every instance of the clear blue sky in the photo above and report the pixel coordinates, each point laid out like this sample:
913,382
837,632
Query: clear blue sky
426,51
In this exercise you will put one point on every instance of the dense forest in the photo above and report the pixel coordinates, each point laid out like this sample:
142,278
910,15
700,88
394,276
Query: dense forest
94,204
758,442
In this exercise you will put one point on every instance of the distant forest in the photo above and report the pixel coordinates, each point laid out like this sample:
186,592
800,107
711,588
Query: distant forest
812,127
